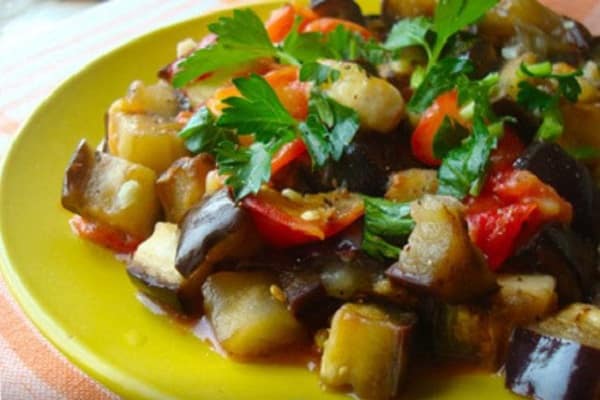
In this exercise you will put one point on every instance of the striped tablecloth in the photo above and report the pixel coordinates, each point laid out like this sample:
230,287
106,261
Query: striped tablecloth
29,69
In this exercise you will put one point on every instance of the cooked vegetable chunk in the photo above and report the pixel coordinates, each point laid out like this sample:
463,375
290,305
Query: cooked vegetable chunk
527,25
152,268
439,258
572,181
367,349
344,9
558,358
411,184
213,231
556,250
247,320
393,10
379,104
110,190
183,184
480,332
142,126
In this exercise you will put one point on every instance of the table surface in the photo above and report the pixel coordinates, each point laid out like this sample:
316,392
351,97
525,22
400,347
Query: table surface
39,48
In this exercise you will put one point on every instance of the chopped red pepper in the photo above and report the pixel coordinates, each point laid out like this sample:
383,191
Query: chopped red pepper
445,105
104,235
327,24
294,219
512,206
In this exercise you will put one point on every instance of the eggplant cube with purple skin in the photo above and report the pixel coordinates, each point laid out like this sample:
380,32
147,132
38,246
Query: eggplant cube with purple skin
440,259
558,358
367,350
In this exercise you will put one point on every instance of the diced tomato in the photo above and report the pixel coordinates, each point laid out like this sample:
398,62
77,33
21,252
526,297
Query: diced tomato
290,220
292,93
327,24
512,207
521,186
286,154
104,235
423,136
282,20
509,148
495,231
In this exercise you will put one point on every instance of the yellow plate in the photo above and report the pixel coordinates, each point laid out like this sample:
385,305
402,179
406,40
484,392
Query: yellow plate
79,296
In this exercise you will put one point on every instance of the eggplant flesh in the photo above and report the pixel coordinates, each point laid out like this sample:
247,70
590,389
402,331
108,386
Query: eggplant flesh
571,180
440,259
212,231
558,359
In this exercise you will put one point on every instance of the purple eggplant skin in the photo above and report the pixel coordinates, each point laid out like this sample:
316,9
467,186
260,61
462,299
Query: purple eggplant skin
344,9
214,230
572,181
551,368
558,251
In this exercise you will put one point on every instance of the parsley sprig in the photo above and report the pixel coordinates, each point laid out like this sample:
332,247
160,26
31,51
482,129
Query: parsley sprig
242,38
387,225
545,103
451,16
328,129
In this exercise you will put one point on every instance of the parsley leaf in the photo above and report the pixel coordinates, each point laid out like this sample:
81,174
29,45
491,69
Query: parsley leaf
441,78
241,38
448,136
534,98
248,167
201,134
463,169
318,73
410,32
304,47
567,83
386,224
259,111
544,103
453,15
346,45
328,129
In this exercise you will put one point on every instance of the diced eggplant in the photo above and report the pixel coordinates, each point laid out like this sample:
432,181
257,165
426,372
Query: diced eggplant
525,123
528,25
152,268
344,9
572,181
142,128
478,49
379,104
307,298
364,166
247,320
411,184
367,350
393,10
439,258
213,231
183,184
558,251
559,358
480,332
112,191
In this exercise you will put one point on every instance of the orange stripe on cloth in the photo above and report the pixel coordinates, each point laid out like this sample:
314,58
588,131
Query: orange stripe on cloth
41,359
7,124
